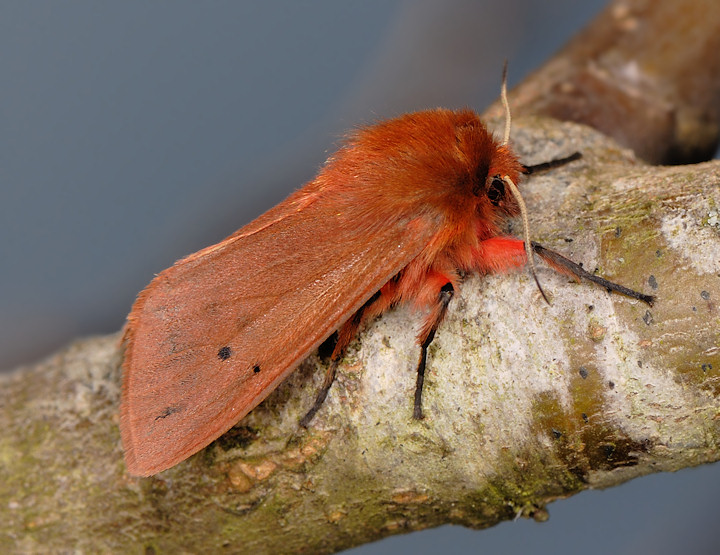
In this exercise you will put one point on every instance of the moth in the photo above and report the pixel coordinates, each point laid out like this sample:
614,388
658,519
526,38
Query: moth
396,215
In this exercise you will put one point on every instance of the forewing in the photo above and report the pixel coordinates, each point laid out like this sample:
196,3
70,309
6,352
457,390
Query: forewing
212,336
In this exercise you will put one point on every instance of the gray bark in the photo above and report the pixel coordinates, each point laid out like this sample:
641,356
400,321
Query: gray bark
644,72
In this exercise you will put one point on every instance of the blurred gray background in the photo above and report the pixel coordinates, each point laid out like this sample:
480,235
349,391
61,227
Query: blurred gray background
133,133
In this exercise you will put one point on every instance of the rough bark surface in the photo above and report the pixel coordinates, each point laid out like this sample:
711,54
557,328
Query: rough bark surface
644,72
525,403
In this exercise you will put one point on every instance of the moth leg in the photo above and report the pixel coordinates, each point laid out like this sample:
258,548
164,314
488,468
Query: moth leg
568,267
551,164
500,254
345,335
327,383
426,336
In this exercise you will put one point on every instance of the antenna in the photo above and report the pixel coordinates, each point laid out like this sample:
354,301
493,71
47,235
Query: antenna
513,188
506,105
526,229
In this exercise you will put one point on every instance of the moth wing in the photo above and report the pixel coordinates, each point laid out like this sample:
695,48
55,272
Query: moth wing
213,335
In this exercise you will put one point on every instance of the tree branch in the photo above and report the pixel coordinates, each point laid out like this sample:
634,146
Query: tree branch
644,72
525,403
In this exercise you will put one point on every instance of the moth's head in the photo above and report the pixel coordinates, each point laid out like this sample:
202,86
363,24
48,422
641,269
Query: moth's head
487,163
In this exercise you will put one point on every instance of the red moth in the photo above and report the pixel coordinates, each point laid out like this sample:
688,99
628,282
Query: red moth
397,215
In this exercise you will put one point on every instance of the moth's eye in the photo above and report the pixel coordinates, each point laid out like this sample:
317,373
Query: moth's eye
496,191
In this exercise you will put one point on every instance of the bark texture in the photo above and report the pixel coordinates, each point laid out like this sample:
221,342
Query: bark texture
644,72
525,403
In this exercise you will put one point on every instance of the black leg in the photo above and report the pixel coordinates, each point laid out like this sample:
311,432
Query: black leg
417,411
565,264
344,336
320,399
426,337
551,164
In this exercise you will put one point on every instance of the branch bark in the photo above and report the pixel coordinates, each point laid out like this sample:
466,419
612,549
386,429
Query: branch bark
525,403
644,72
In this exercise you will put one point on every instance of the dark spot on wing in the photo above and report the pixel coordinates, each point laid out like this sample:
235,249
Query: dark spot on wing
172,409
